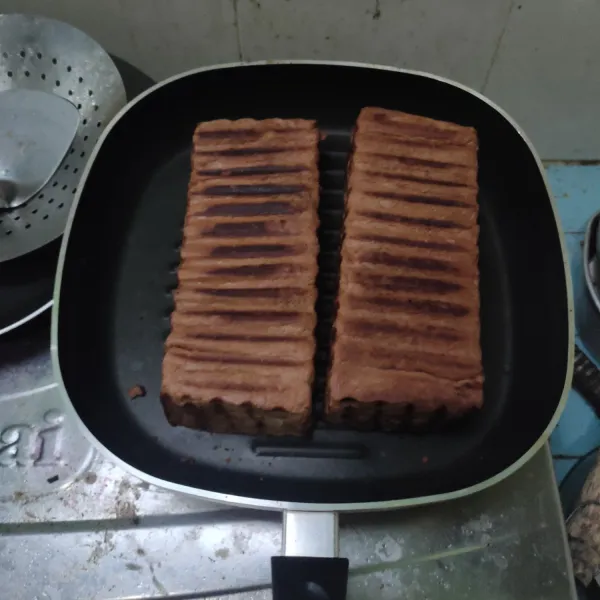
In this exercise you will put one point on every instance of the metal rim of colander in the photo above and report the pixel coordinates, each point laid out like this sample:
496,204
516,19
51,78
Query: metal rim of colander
44,54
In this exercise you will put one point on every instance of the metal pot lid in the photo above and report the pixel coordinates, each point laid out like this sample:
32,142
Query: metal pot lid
36,132
42,54
27,281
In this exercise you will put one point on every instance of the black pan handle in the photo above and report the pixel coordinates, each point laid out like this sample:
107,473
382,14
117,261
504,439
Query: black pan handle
586,379
309,569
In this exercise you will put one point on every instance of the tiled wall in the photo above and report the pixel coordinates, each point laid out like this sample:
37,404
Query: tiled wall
540,59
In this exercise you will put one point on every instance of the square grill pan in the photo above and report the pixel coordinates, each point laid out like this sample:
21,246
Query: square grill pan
119,267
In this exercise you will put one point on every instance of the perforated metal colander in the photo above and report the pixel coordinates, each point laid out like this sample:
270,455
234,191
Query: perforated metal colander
37,53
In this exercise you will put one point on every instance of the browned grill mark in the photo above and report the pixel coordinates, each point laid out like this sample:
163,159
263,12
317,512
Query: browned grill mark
401,139
415,129
431,307
411,262
411,284
210,134
250,270
364,327
254,293
221,337
414,199
472,385
415,162
244,315
184,352
435,223
252,190
239,135
253,151
412,178
382,239
250,209
439,359
226,386
260,170
254,251
232,230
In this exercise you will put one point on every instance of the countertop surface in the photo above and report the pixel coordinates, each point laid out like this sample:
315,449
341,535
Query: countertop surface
73,525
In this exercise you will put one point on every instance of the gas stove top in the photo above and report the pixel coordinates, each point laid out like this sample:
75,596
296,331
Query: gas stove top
73,525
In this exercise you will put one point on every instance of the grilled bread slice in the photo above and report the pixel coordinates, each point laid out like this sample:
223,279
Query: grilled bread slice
239,357
407,327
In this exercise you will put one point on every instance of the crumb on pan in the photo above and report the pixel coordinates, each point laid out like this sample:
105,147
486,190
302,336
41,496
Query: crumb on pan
137,391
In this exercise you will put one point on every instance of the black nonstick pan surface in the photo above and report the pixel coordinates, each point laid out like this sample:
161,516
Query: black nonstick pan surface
118,268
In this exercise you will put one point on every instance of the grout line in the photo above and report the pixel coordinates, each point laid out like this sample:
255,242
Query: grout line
497,48
238,32
571,162
567,456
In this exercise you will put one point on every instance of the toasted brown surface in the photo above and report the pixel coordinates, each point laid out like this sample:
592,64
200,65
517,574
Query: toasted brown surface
239,357
407,327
